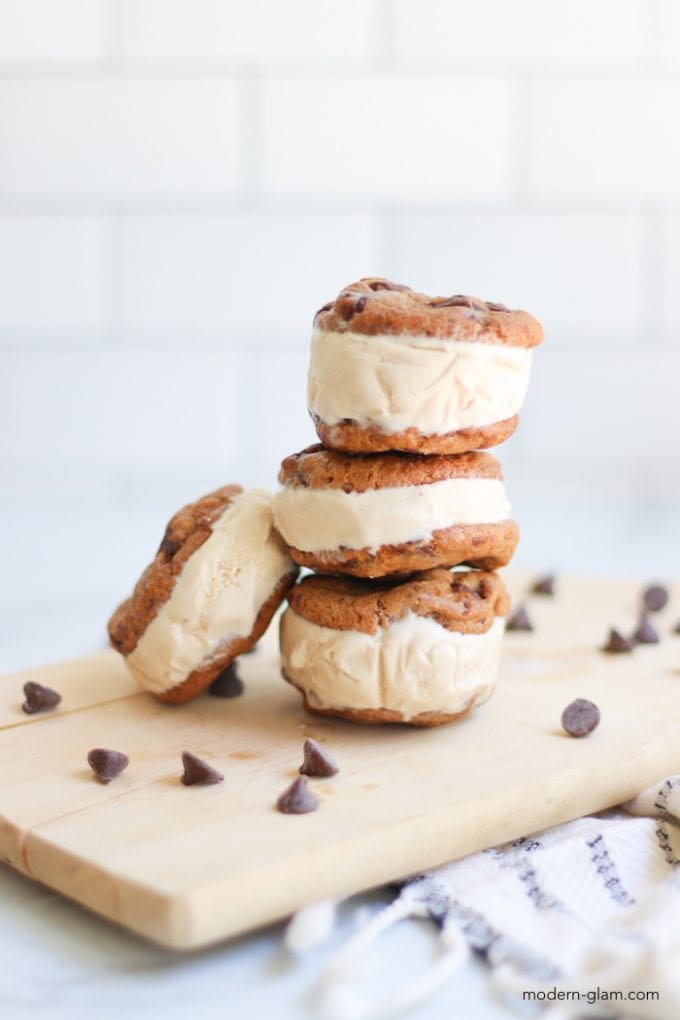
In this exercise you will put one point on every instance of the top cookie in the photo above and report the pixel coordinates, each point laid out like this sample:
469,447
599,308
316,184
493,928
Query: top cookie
375,306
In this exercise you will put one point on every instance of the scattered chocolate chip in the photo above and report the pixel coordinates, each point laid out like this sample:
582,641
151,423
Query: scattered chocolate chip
107,764
544,585
519,620
676,629
349,304
227,684
654,597
387,285
298,799
617,643
317,760
39,698
645,634
198,771
580,718
496,306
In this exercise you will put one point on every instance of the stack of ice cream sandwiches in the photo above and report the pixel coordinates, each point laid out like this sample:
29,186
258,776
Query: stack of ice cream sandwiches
405,390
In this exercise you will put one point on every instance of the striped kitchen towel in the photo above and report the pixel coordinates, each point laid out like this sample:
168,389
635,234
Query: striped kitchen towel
587,909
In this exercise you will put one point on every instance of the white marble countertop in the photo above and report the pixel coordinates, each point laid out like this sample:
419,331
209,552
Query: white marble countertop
60,961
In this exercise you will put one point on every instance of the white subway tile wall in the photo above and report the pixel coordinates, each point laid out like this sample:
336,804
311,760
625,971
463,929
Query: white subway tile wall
119,138
183,182
307,31
42,30
536,33
54,279
386,139
607,139
259,275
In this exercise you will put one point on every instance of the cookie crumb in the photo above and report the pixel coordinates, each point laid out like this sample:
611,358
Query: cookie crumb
580,718
544,585
198,771
519,620
107,764
298,799
39,698
645,633
227,684
655,597
617,643
317,760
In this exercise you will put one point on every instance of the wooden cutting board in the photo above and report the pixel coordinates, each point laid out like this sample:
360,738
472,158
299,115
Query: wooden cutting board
187,866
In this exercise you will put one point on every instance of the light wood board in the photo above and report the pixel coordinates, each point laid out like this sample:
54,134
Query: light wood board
189,866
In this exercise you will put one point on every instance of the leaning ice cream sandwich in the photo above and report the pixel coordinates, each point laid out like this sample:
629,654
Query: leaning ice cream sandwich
424,652
382,514
392,369
218,577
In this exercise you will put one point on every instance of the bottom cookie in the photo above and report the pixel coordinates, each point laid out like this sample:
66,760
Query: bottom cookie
378,716
423,652
352,437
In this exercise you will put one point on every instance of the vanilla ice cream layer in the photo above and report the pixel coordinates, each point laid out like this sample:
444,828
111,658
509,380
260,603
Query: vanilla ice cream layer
415,665
217,595
399,382
319,520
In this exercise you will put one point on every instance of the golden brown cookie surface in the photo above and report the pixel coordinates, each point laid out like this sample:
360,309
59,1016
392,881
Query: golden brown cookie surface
464,601
375,306
351,437
318,468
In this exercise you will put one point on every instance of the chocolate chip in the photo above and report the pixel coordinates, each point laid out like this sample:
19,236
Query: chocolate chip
317,760
496,306
654,597
580,718
324,308
455,301
519,620
544,585
39,698
198,771
676,629
349,304
387,285
169,546
617,643
227,684
645,634
107,764
298,799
